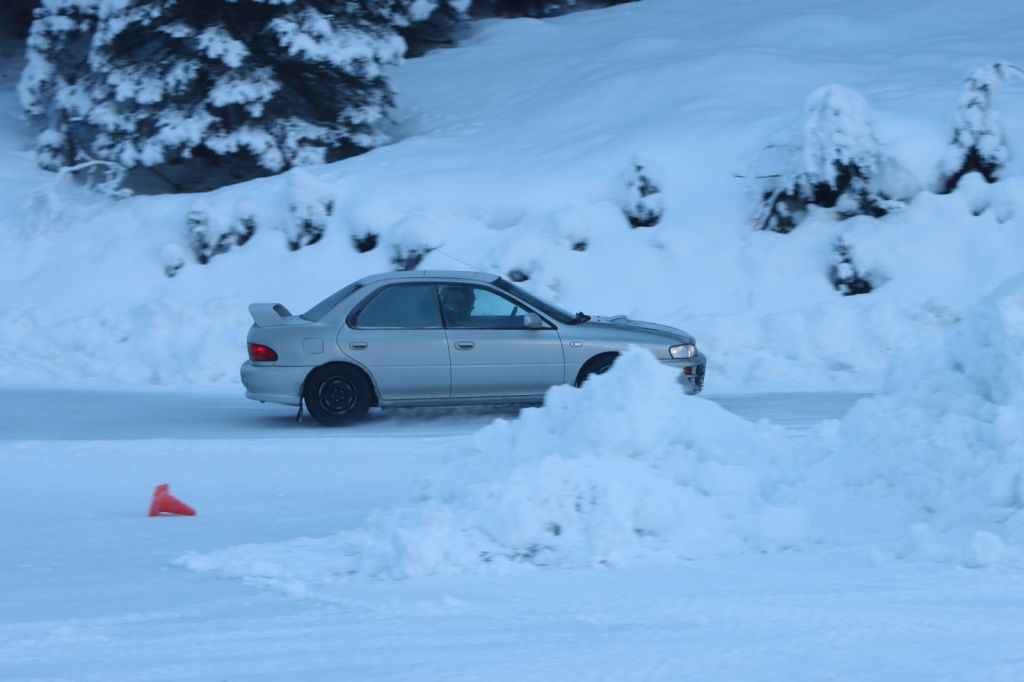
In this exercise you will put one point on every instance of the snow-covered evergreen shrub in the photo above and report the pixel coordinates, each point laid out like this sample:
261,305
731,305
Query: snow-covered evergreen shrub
210,233
518,275
844,274
978,142
244,223
266,84
311,205
173,258
407,258
840,164
642,204
411,239
430,23
308,223
574,226
243,227
975,191
364,242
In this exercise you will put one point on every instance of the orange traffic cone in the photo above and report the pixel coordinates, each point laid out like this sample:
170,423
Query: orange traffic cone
166,503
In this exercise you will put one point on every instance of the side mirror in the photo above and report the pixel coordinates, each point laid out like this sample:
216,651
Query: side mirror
533,321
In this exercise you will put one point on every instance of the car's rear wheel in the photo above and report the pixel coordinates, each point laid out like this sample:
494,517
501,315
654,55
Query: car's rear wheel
337,395
598,365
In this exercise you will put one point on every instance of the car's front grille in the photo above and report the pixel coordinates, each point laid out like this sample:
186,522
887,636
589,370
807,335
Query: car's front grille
700,377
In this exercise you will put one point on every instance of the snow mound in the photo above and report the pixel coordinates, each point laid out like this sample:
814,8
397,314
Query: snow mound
624,471
941,451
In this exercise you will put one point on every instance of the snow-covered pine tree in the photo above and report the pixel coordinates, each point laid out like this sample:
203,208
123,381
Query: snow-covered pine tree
260,84
840,165
642,204
978,142
56,54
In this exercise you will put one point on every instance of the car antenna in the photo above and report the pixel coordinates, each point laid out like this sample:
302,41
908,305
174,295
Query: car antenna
456,258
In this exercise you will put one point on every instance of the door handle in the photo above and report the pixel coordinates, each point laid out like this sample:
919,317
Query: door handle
358,345
465,345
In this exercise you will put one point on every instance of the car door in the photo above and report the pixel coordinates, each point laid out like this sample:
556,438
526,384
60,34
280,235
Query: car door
492,353
397,334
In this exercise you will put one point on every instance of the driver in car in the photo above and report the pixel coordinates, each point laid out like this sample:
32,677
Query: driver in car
457,303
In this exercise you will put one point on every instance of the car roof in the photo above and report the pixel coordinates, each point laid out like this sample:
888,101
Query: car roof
430,274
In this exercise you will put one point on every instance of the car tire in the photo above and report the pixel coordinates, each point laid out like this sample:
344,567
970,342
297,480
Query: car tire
337,395
598,365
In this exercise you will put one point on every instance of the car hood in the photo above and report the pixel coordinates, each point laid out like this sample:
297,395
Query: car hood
623,322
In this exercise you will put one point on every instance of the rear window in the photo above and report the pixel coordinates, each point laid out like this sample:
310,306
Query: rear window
317,312
407,306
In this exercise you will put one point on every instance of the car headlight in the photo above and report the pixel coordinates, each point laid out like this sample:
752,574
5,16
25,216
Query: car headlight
683,350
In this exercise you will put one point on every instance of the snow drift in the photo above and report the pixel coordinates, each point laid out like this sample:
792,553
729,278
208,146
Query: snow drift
625,471
939,455
628,471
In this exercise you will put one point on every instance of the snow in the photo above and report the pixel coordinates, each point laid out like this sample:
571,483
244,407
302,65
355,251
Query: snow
217,43
90,591
313,36
625,471
110,605
940,449
516,162
622,530
628,471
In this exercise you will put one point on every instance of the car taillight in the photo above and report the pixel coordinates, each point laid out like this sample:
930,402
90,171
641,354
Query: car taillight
260,353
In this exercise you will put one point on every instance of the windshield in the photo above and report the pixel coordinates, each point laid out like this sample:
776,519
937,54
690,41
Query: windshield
549,309
317,312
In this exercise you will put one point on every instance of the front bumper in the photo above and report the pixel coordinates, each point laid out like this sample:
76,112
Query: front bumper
691,372
273,384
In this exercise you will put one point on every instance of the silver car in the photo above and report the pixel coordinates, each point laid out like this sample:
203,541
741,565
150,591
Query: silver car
439,338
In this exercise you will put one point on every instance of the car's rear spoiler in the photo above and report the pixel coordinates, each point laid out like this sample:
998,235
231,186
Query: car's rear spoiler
268,314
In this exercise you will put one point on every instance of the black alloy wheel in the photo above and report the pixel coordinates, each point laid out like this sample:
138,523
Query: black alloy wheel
337,395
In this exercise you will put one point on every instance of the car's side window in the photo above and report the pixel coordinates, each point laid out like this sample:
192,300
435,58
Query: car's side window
406,306
469,307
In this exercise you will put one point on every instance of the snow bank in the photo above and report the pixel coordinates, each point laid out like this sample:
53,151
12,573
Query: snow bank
937,459
625,471
628,471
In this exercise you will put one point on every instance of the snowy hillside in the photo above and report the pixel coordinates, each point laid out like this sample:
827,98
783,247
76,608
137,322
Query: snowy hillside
513,153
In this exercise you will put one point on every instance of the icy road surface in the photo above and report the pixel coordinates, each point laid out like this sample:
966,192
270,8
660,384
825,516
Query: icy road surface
110,415
89,591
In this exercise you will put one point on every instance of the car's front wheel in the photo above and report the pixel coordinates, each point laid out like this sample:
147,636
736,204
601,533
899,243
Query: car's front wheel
596,365
337,395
